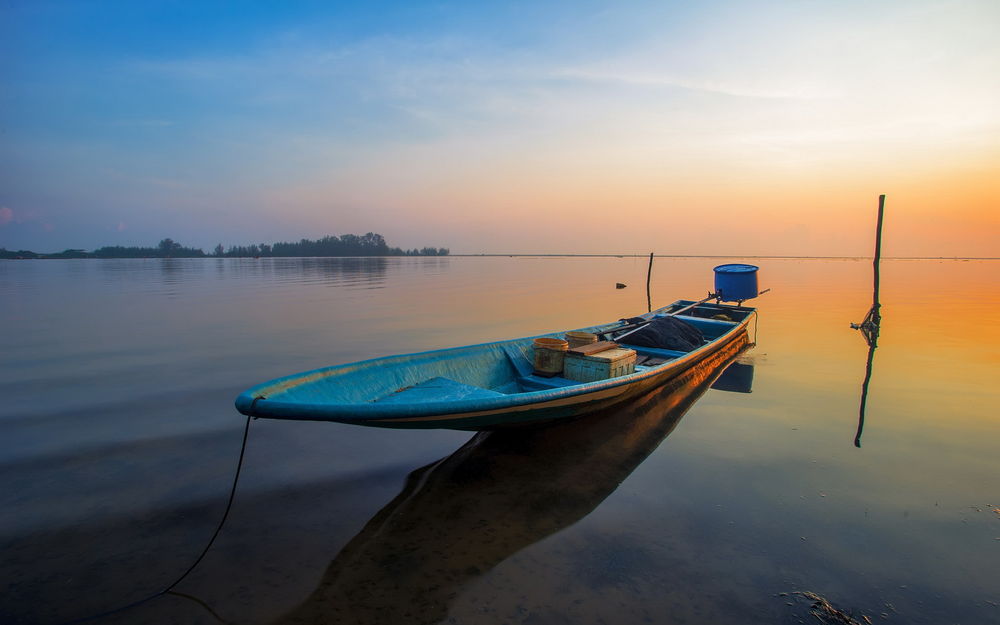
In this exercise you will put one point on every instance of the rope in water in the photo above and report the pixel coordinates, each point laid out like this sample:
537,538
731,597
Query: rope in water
222,521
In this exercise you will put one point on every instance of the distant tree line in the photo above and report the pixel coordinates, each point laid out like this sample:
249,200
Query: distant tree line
168,248
370,244
5,253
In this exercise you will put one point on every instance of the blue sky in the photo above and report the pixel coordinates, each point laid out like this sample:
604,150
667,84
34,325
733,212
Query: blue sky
456,124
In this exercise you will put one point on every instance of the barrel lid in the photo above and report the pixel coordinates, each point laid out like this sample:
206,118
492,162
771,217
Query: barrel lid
736,268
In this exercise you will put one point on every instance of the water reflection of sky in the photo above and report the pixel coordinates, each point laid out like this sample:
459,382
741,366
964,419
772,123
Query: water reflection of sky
118,438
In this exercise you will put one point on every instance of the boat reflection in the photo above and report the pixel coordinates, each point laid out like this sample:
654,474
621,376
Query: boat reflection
502,491
736,378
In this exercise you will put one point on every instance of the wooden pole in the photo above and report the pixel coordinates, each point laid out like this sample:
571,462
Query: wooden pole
649,274
870,325
878,257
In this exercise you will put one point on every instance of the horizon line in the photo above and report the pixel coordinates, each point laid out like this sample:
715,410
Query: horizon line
756,256
45,256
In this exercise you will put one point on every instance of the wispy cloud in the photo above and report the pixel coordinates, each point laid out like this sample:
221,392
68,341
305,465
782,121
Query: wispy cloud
9,216
142,123
639,79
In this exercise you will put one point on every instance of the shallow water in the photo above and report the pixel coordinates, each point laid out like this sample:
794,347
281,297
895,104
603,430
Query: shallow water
118,443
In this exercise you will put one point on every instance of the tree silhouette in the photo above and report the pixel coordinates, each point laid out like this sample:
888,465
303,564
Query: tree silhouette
369,244
168,247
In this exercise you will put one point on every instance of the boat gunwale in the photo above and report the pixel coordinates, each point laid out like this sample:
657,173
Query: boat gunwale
249,402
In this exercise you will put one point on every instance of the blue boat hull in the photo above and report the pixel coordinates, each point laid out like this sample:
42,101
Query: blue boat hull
479,387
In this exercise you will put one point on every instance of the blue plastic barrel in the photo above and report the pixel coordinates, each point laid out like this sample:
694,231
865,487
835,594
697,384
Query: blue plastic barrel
736,282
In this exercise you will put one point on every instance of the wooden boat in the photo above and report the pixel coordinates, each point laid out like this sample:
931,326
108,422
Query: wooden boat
488,386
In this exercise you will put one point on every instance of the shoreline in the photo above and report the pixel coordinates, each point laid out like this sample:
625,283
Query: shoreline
726,256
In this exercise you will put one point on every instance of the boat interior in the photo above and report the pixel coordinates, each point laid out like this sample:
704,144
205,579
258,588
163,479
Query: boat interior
490,370
703,317
519,376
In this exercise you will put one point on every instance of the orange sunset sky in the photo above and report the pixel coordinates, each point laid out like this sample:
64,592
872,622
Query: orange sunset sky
737,128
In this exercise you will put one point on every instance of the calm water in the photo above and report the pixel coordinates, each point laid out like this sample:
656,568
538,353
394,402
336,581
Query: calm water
118,443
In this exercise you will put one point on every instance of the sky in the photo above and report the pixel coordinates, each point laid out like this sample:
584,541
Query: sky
731,128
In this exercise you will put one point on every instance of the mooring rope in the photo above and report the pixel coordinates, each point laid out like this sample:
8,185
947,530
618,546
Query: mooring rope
222,521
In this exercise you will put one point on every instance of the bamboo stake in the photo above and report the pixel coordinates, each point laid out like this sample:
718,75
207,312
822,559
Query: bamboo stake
649,274
878,256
